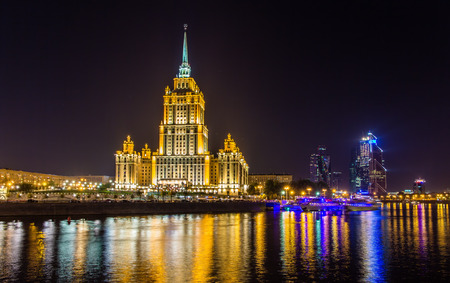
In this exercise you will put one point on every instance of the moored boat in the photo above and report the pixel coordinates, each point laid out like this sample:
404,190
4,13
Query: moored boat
273,205
361,206
291,207
320,204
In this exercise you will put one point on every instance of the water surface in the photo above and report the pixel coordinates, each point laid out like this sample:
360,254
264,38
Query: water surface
401,242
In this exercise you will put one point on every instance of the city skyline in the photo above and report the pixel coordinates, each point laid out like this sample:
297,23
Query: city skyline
76,77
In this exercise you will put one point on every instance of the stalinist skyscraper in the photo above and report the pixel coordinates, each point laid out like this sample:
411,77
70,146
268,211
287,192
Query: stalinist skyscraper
183,158
183,137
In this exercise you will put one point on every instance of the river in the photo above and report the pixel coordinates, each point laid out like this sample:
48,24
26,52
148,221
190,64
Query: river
400,242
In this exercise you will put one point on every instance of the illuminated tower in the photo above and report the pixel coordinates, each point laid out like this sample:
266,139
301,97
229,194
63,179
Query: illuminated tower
182,160
367,169
232,168
183,155
127,164
419,186
145,168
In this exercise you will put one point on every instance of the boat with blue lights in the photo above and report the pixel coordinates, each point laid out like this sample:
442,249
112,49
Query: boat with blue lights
361,204
273,205
320,204
291,206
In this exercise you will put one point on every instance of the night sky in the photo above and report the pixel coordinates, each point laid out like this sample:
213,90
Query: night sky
76,77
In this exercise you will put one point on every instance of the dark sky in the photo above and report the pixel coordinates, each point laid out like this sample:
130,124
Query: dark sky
76,77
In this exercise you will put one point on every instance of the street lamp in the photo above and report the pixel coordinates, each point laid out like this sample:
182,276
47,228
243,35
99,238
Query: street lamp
286,189
309,191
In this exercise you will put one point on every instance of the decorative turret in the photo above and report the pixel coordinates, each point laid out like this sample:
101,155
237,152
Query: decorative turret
127,163
146,152
128,146
233,170
230,145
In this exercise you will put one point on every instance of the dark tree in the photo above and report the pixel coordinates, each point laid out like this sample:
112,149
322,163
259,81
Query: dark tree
251,190
105,187
26,187
272,189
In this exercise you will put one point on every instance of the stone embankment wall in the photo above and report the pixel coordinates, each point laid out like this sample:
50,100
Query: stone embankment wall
125,208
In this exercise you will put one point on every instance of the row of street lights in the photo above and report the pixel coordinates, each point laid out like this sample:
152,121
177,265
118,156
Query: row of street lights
287,192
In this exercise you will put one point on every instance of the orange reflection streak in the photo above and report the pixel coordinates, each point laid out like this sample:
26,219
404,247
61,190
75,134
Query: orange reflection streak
204,243
335,237
260,245
407,208
442,228
414,227
229,248
430,224
340,240
156,251
307,242
396,227
422,230
36,253
245,244
144,248
344,235
288,245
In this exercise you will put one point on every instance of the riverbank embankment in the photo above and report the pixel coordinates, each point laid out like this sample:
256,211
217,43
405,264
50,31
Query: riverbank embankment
126,208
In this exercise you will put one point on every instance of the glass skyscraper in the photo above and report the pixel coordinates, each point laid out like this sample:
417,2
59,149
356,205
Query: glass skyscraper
320,166
367,171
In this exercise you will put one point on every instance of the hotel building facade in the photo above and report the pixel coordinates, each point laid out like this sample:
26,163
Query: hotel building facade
183,159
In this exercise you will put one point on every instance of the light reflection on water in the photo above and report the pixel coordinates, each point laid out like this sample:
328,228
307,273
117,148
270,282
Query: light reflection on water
398,243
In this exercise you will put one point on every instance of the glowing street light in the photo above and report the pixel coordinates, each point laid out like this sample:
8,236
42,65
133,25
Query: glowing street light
286,189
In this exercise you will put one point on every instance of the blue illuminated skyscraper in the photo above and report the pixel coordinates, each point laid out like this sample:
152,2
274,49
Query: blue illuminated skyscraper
367,171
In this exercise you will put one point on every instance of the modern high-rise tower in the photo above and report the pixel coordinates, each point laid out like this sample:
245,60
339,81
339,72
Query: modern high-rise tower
367,171
183,159
419,186
320,166
336,181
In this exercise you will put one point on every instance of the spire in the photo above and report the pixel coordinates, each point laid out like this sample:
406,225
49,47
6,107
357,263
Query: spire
185,52
185,69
